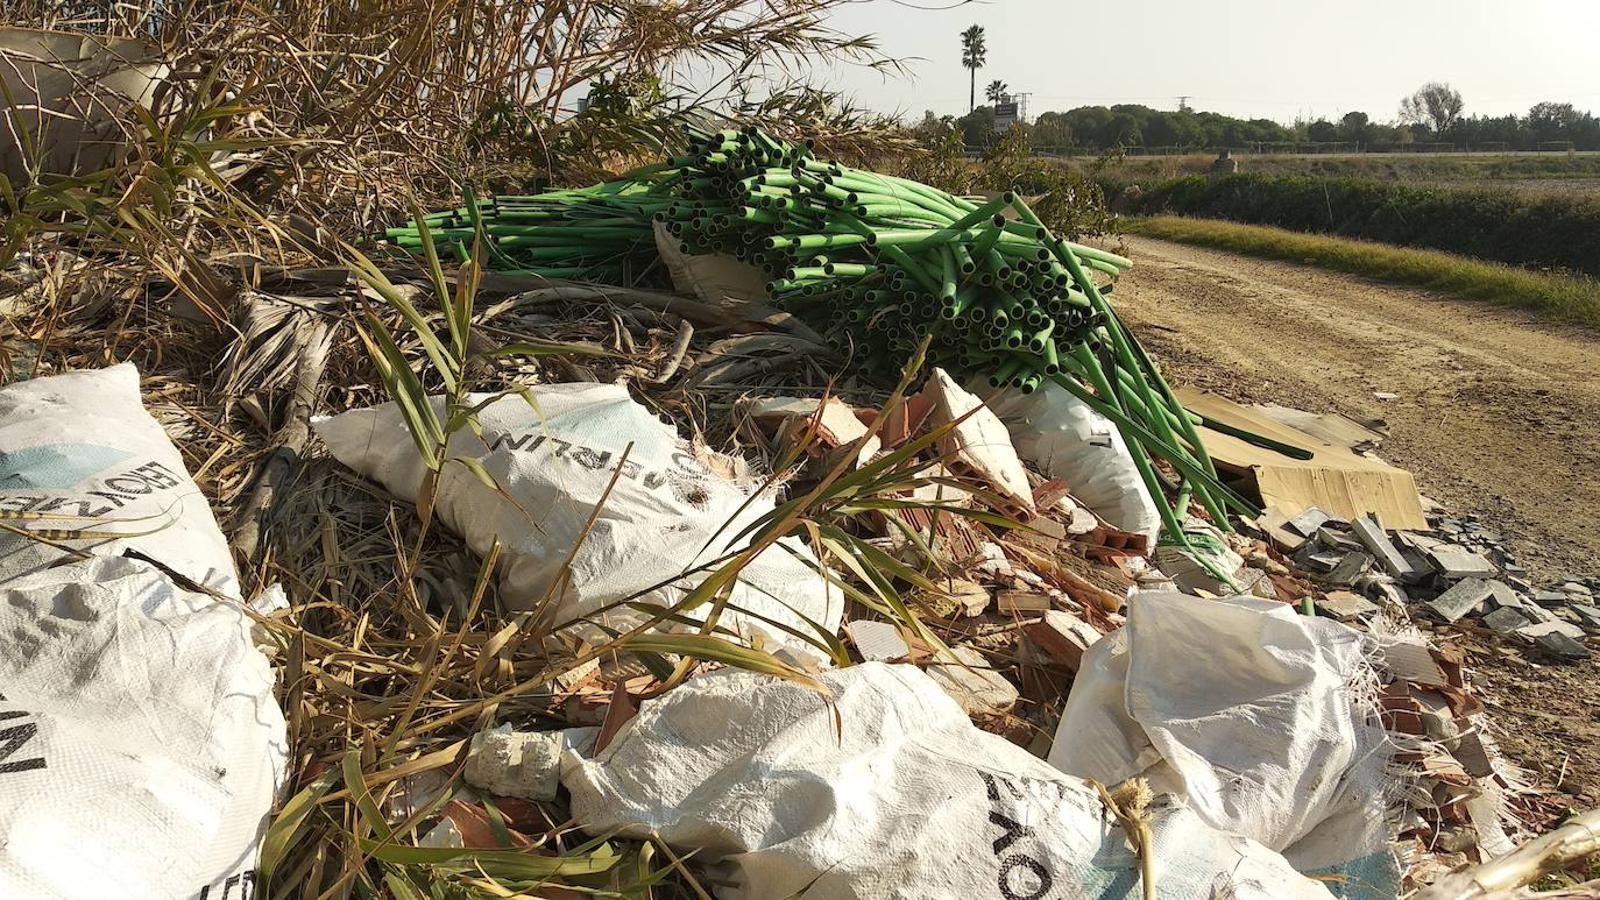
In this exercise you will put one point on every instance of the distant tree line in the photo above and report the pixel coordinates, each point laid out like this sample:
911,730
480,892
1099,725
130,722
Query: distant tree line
1433,115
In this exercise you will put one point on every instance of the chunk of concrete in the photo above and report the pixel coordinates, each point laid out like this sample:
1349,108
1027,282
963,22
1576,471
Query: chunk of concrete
962,597
1337,542
1438,719
1562,647
1184,569
1350,567
1308,522
1505,620
877,641
1473,756
1550,599
1501,596
1410,660
836,422
978,439
1554,626
1466,596
1275,525
1370,534
525,764
1043,533
1588,617
1536,613
1346,605
1313,561
1421,569
1455,562
1083,521
1390,594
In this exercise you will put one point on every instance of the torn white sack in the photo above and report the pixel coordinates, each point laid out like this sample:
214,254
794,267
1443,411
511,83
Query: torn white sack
1072,443
904,799
140,743
1262,718
79,453
554,453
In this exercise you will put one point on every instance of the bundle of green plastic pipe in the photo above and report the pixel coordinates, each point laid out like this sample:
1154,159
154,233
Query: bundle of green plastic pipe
600,233
878,264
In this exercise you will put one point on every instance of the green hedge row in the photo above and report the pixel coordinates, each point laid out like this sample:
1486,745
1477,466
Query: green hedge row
1543,232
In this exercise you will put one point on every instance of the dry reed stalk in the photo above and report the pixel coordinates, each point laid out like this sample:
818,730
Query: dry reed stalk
1507,876
369,96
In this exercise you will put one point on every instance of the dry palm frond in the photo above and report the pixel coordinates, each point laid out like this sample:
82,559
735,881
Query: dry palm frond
275,332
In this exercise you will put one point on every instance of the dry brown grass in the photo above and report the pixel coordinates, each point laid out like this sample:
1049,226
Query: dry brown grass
372,99
1570,298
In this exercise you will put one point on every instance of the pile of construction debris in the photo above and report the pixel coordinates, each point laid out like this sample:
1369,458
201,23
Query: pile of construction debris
1044,593
1030,589
627,593
1455,571
955,566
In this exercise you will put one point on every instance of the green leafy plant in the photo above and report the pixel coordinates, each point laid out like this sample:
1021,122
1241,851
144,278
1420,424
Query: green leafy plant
453,358
162,188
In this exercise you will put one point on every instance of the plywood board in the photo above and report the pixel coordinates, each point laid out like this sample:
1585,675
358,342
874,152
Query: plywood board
1331,428
1333,480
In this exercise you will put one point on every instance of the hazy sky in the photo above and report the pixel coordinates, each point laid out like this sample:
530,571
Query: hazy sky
1275,59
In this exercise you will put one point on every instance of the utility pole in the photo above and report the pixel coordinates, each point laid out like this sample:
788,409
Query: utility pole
1183,102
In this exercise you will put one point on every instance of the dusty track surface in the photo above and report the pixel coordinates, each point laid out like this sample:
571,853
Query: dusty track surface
1498,414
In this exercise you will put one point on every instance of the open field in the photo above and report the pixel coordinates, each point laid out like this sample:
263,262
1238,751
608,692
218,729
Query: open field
1573,299
1553,232
1511,171
1498,414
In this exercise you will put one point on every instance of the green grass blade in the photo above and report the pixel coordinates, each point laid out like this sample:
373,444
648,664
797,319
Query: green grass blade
500,863
356,784
714,649
290,823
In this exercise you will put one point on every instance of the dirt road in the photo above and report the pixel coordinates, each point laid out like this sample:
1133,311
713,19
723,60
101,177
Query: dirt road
1498,414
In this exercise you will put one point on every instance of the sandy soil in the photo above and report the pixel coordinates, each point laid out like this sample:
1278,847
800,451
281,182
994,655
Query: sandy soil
1498,414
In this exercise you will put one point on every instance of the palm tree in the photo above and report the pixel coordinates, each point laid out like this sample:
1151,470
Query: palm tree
973,56
997,92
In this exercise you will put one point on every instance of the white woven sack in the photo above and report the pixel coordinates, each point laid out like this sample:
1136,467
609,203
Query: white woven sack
140,743
553,455
1071,442
1262,718
79,453
884,789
